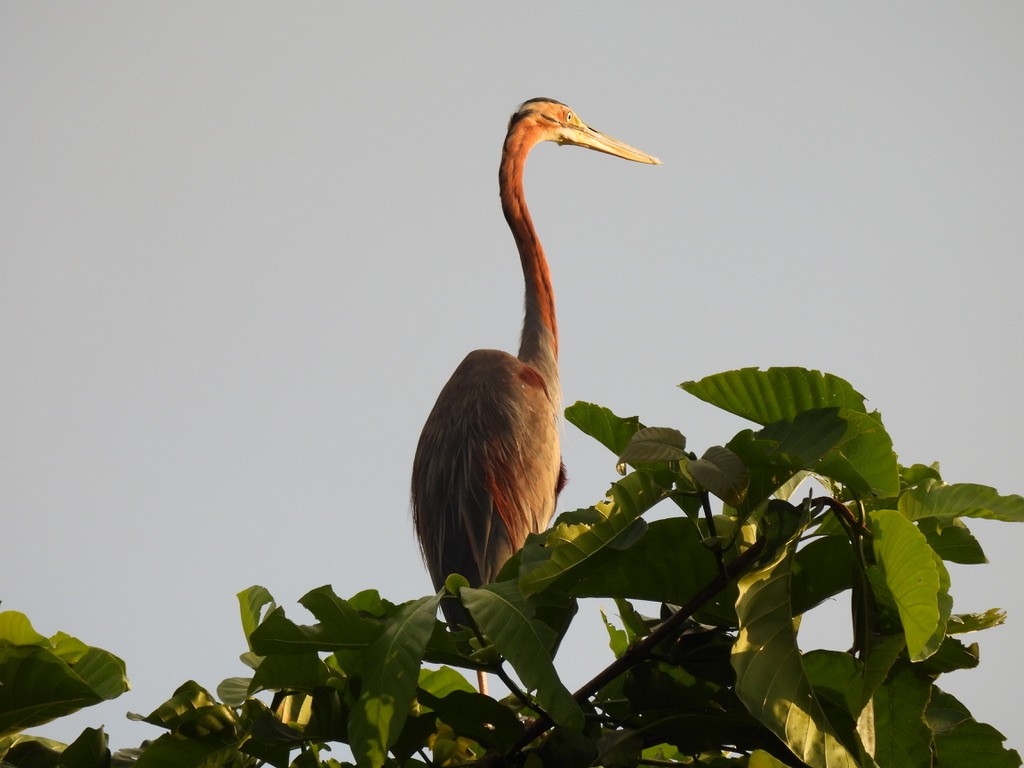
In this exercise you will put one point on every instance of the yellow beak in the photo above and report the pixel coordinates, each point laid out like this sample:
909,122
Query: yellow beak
585,136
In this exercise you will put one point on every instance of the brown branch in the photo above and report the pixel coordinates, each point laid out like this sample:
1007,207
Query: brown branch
843,512
642,650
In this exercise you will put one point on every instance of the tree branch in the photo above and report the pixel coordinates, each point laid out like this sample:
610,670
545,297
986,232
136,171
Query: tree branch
643,648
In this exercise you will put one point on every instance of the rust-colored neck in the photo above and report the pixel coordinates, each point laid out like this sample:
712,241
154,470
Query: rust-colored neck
539,342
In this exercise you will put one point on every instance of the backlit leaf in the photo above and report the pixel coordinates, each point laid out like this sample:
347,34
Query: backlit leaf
962,500
390,674
770,678
566,546
775,394
507,619
613,432
916,578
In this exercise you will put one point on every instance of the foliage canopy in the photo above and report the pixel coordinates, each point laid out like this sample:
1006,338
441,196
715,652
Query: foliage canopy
716,678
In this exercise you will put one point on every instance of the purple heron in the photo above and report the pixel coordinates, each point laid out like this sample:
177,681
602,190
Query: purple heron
488,468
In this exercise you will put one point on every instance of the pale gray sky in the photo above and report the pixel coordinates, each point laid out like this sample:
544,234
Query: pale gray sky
242,246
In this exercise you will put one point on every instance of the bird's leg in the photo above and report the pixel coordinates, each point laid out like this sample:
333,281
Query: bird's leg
481,681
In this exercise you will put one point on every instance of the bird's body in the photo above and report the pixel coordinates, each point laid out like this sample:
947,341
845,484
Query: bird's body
488,467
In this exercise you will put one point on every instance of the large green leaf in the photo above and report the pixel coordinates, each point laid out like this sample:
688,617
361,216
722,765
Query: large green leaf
794,443
390,674
503,614
345,621
960,740
290,671
902,738
613,432
669,563
43,679
16,629
775,394
478,717
962,500
770,677
89,750
566,546
191,708
916,578
851,683
782,449
864,459
951,540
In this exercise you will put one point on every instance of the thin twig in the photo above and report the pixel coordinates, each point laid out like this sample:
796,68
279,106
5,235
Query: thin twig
642,649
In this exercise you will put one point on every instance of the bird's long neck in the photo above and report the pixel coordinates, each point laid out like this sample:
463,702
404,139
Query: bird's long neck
539,343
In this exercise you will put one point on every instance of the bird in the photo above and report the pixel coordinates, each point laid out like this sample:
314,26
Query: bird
488,469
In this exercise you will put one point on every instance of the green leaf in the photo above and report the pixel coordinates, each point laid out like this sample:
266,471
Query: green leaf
799,442
961,623
612,431
290,671
960,740
617,638
16,629
783,449
251,603
477,717
442,681
962,500
951,540
653,444
920,474
761,759
233,691
848,682
37,686
916,578
776,394
390,674
977,745
721,472
213,751
864,459
902,738
668,564
503,614
551,557
951,656
30,752
344,621
190,703
770,677
89,750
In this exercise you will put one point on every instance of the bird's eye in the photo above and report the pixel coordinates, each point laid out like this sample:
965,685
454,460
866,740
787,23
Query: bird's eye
568,117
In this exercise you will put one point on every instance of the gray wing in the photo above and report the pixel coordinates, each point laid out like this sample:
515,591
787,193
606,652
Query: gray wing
488,468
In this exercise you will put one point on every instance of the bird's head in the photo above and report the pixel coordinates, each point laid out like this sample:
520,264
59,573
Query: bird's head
550,120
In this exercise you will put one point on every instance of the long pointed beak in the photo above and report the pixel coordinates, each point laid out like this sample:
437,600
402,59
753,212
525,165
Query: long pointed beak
585,136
